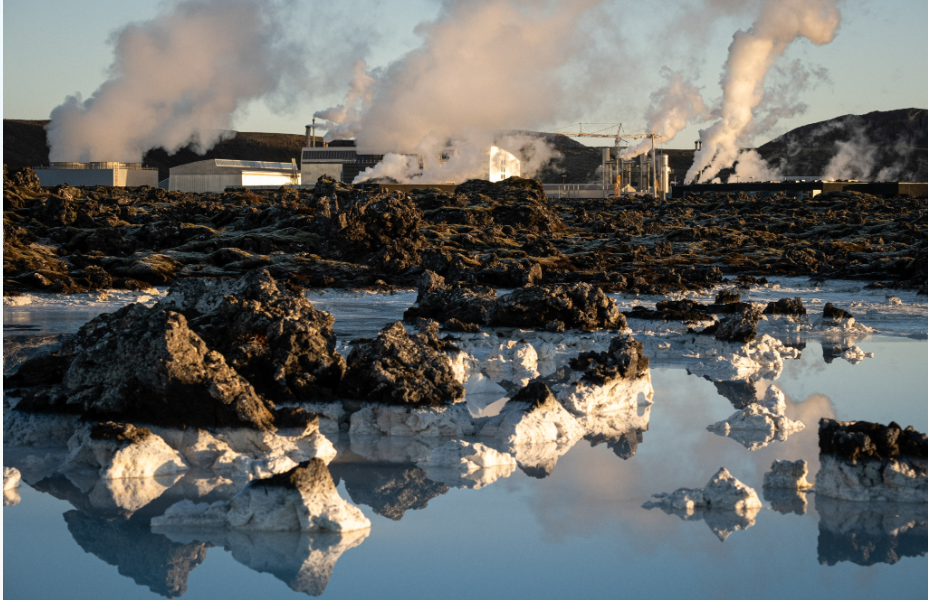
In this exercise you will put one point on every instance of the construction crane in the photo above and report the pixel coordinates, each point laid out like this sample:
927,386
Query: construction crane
619,138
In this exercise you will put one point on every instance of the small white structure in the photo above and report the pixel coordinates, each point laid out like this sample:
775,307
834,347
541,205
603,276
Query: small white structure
503,165
115,174
217,174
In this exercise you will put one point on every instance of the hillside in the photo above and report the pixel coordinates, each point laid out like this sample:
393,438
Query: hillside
881,145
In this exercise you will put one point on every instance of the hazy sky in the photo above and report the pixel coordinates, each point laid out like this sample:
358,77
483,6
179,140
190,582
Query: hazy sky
54,48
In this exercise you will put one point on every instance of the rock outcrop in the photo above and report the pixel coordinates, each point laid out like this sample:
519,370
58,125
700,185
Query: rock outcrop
211,354
401,369
578,306
722,492
862,461
790,475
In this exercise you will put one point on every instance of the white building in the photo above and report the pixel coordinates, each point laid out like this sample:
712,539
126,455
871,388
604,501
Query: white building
115,174
217,174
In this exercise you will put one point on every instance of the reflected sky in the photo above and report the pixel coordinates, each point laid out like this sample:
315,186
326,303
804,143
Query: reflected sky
574,528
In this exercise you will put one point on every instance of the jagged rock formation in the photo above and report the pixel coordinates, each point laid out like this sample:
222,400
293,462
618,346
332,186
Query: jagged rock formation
399,369
862,461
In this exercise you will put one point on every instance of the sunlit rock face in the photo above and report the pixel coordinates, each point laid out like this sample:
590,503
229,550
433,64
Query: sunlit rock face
303,561
468,465
761,358
121,450
759,423
532,416
790,475
870,533
725,504
863,461
149,559
303,499
11,481
578,306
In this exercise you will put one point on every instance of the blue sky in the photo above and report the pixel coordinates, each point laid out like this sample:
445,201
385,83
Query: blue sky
53,48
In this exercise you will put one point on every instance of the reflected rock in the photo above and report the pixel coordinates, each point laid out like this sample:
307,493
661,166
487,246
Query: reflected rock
740,392
621,430
484,397
784,486
303,561
11,478
760,359
760,423
11,497
790,475
872,533
37,429
862,461
538,460
121,450
406,421
149,559
389,489
468,465
304,498
785,500
850,353
17,349
722,522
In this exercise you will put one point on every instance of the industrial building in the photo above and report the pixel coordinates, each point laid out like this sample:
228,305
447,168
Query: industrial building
805,188
97,173
217,174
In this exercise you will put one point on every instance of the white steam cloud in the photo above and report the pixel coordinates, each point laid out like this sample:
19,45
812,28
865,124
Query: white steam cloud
177,79
673,106
751,55
484,67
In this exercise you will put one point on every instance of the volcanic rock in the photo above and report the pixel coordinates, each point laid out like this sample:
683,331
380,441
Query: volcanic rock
399,369
578,306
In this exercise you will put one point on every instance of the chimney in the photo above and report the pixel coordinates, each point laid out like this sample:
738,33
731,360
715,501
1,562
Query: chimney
309,136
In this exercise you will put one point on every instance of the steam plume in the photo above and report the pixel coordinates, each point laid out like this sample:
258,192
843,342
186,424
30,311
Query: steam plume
483,67
672,107
750,56
176,79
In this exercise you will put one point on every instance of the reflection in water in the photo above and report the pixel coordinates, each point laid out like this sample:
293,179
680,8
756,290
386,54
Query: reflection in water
621,430
740,392
722,522
17,349
304,561
389,489
867,533
785,500
149,559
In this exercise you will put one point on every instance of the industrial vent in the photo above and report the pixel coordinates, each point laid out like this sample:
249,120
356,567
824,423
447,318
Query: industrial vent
328,156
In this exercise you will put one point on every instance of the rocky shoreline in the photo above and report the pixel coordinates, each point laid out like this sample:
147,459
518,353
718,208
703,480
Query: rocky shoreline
502,235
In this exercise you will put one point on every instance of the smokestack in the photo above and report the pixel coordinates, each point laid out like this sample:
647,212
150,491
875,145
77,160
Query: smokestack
309,136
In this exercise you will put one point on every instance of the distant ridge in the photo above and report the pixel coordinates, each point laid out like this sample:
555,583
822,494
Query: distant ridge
892,143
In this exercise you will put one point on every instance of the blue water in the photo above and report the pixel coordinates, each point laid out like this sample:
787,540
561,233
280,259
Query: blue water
579,532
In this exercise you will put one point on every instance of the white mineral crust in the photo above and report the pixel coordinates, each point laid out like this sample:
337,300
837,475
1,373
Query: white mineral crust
899,480
37,429
147,457
381,419
467,456
517,424
763,358
582,397
758,424
515,361
787,475
723,492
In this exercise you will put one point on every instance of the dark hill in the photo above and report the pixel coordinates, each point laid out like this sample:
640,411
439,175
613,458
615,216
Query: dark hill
881,145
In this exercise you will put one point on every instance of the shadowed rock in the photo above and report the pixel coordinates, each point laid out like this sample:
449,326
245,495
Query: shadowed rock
578,306
870,533
389,489
400,369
